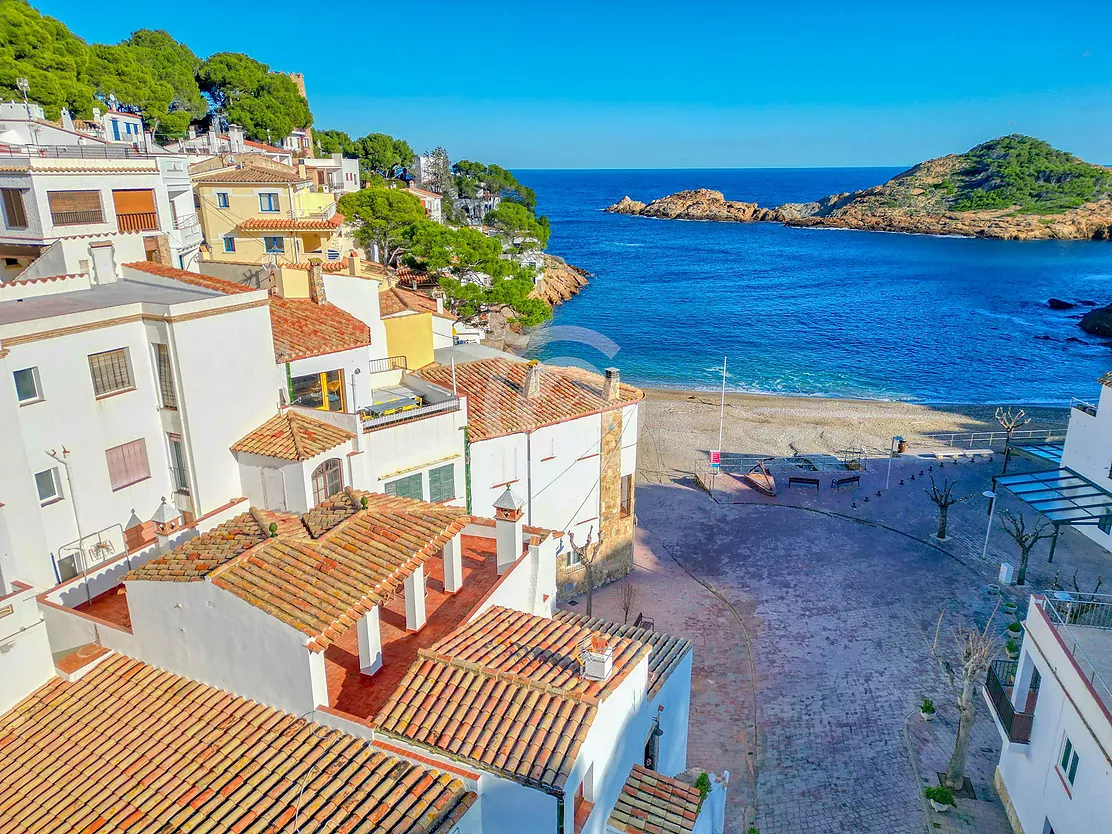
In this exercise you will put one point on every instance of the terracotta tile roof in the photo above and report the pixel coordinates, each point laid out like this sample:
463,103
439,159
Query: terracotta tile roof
397,300
505,693
496,405
667,651
287,224
304,328
263,146
321,572
300,326
292,435
325,266
251,174
423,192
129,749
651,803
1106,379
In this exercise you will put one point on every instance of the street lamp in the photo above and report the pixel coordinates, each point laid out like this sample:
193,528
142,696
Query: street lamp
991,496
896,441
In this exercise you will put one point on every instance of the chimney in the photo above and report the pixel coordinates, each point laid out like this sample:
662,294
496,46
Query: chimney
316,284
439,296
301,169
508,529
532,386
96,116
597,657
103,256
213,139
67,120
235,139
192,132
354,264
611,386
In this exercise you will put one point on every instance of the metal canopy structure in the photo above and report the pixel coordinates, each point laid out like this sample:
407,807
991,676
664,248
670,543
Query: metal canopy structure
1042,452
1061,495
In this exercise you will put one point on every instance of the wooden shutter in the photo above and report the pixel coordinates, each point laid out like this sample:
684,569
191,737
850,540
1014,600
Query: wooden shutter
127,464
133,201
442,485
165,377
15,215
73,201
110,371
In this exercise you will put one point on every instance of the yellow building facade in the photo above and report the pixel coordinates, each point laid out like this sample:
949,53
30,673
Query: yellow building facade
408,319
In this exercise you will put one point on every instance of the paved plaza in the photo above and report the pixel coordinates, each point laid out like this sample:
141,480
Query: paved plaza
811,616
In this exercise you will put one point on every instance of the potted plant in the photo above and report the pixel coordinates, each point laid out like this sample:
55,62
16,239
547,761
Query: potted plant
1012,648
941,798
1010,607
926,709
1014,630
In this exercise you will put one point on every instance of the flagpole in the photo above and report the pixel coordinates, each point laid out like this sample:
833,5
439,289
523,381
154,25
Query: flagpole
722,406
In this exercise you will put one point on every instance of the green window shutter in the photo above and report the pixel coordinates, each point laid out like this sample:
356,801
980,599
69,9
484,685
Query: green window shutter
407,487
442,483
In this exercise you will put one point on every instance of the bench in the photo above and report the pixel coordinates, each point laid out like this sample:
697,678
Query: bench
978,453
644,622
948,454
838,483
803,481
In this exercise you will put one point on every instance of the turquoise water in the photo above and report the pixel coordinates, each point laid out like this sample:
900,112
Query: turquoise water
824,312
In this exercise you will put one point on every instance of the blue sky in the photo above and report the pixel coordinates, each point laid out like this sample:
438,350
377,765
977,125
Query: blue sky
670,85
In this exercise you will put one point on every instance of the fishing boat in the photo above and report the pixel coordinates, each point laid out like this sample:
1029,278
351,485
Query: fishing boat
760,479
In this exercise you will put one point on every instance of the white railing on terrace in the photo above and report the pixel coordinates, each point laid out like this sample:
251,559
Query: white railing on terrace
1084,407
988,438
1066,610
419,413
388,363
76,152
186,222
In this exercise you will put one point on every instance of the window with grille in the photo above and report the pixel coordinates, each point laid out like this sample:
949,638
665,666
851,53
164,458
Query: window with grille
111,372
73,208
328,479
178,473
15,214
127,464
442,483
165,376
407,487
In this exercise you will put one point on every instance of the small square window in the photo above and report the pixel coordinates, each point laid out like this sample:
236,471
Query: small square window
275,245
48,486
221,199
269,202
27,389
229,243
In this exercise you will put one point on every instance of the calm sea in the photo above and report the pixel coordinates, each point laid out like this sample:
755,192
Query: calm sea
821,312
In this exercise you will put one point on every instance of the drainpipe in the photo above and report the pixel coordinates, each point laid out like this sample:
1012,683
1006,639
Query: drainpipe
467,466
529,478
559,813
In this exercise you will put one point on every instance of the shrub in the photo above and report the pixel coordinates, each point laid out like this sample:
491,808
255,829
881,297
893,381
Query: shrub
703,784
927,707
1011,647
1015,628
941,794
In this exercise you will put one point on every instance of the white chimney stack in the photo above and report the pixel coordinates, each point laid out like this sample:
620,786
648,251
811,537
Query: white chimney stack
235,139
508,527
598,658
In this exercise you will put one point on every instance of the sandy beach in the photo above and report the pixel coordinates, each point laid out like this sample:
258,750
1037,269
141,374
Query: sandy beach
679,426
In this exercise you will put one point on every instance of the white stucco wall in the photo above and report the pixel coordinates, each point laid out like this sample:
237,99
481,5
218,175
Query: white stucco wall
359,296
675,696
1066,707
356,387
200,631
508,807
25,660
1088,451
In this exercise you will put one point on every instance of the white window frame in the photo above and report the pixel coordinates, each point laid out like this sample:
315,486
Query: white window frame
57,482
38,398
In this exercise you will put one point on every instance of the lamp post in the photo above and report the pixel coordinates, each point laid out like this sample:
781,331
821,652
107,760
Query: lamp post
991,496
24,85
896,441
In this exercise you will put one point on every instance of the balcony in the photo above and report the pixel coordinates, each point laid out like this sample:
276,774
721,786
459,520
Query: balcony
139,221
1084,407
403,409
77,218
998,690
187,230
1083,624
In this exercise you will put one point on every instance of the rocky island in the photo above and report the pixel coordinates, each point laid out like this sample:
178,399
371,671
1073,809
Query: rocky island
1013,188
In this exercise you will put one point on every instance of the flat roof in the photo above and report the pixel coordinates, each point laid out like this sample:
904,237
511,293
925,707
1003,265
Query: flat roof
1061,495
152,290
1049,452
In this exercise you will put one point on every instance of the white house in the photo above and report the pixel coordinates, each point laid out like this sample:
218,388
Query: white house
336,173
430,201
563,438
1054,711
212,143
112,391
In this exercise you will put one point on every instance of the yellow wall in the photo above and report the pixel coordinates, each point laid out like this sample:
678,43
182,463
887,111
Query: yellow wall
410,336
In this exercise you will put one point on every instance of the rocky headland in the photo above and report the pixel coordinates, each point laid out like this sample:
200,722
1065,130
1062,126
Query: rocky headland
559,281
1012,188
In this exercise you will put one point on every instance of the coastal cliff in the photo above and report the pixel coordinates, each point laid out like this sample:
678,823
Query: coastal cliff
559,281
1012,188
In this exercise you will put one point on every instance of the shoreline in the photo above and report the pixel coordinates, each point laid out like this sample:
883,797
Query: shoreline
669,390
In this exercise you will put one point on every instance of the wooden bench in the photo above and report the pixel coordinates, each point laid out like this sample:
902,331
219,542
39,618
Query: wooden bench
803,481
644,622
838,483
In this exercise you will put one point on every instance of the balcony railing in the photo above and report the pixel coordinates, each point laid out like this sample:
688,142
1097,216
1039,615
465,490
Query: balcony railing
96,151
139,221
998,685
445,407
76,218
185,222
1069,613
1084,407
389,363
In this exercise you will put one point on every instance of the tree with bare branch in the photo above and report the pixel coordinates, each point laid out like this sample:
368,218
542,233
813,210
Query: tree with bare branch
964,670
944,498
1010,421
1026,539
587,556
627,598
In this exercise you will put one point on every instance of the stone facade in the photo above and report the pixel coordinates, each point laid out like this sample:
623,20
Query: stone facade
615,528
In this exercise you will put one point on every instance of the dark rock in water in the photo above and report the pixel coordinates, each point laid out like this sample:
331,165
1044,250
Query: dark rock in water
1059,304
1098,322
1075,340
1044,338
1086,303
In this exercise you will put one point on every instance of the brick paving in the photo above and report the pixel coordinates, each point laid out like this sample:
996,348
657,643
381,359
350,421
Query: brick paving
835,602
110,606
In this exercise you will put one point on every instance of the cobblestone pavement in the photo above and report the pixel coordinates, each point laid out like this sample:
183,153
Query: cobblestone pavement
811,643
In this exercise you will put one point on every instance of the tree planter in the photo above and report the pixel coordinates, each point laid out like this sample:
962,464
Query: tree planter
927,716
1010,607
939,806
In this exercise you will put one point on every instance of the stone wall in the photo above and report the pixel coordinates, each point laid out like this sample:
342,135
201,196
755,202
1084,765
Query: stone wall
615,558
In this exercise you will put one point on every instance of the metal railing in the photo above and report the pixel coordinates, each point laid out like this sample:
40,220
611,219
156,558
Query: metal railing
97,151
1074,610
1084,407
138,221
76,218
180,478
186,222
389,363
449,405
1000,679
988,438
